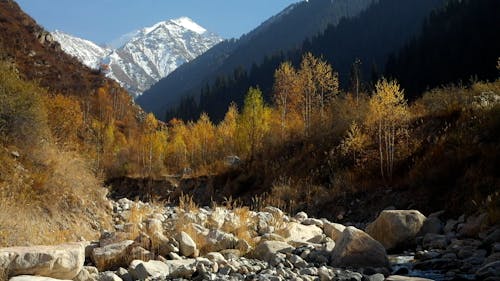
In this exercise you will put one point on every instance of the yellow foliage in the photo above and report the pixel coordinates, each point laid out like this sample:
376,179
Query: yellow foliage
65,118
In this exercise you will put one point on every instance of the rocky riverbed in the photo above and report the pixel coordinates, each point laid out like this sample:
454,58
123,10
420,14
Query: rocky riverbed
152,242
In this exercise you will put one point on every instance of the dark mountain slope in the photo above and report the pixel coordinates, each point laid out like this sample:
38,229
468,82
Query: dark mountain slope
455,44
371,36
284,31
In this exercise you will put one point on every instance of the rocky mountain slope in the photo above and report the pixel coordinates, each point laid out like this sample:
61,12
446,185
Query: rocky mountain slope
147,56
280,33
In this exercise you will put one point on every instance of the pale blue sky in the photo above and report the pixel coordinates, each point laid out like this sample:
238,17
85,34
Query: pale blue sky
105,20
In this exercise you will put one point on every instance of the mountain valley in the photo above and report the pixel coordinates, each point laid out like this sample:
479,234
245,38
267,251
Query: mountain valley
338,140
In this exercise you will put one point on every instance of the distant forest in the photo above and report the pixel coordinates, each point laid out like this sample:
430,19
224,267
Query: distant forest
419,43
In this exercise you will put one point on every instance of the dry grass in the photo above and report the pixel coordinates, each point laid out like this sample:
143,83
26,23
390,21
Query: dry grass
50,197
198,238
187,204
137,215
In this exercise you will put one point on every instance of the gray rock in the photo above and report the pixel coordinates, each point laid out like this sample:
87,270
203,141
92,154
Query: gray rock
142,270
113,256
216,258
395,228
124,274
297,261
358,249
325,274
493,238
450,226
181,268
87,274
300,216
309,271
218,240
187,246
109,276
473,225
301,233
435,241
272,237
432,225
376,277
60,262
491,269
267,250
313,221
333,230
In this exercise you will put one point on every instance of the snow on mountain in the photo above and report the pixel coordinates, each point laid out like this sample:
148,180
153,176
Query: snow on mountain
86,51
147,55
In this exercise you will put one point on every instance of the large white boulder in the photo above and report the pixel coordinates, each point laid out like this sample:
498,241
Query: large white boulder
217,240
358,249
394,228
301,233
60,262
187,246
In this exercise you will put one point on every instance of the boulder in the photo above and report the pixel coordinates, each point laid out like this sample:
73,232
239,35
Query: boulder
34,278
113,256
140,270
218,240
187,246
216,257
434,241
267,250
358,249
432,225
333,230
181,268
313,221
299,232
88,273
300,216
60,262
395,228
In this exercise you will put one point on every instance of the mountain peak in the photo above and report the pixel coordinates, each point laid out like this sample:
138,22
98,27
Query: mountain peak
182,22
189,24
140,58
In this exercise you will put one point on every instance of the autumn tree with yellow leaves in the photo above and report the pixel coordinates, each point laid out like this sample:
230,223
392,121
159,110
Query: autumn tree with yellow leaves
253,124
387,117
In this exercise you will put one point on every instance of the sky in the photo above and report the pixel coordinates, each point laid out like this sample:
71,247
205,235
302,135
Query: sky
103,21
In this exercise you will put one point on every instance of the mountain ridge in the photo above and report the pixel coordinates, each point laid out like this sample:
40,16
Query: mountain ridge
148,55
284,31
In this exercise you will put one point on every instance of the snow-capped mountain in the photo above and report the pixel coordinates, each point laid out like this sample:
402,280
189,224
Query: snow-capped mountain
147,55
85,51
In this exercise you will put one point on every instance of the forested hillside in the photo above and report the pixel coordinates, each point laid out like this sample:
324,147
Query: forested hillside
369,38
284,31
457,44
